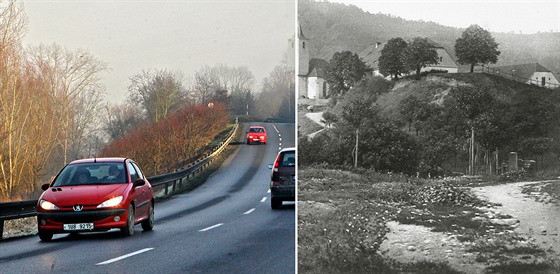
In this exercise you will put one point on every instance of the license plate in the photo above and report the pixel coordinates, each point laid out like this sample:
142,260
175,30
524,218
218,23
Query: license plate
85,226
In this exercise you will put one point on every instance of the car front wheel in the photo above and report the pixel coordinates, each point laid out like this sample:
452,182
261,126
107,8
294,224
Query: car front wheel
148,224
128,230
45,236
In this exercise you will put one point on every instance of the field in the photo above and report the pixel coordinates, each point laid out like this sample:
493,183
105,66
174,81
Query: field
365,222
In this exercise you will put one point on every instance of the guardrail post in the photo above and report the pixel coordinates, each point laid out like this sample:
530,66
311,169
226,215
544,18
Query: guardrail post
1,228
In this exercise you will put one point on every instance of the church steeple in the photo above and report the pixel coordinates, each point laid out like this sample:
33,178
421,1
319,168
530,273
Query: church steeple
303,60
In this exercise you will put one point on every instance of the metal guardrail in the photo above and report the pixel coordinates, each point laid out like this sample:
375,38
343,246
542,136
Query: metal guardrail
167,183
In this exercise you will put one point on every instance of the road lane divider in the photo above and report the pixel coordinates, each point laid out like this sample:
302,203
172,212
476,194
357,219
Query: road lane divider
263,199
211,227
125,256
249,211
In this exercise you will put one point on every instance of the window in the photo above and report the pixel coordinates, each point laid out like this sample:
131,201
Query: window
133,174
140,175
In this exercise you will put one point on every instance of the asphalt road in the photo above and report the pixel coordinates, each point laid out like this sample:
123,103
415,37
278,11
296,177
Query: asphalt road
224,226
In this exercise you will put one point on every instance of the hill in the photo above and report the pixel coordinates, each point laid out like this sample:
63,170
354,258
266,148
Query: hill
333,27
435,88
426,125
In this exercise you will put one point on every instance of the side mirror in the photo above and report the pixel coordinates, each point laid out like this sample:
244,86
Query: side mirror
269,166
139,182
45,186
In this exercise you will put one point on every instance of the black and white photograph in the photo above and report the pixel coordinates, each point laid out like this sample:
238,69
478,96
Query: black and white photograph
147,136
428,136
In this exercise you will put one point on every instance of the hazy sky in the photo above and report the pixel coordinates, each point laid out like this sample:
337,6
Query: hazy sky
178,35
496,16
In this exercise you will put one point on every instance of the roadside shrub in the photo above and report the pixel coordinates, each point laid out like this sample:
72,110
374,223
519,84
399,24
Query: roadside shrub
443,194
514,176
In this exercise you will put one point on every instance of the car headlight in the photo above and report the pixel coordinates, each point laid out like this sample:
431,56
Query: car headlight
111,202
46,205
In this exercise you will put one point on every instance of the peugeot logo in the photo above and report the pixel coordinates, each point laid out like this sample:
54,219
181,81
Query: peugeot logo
78,207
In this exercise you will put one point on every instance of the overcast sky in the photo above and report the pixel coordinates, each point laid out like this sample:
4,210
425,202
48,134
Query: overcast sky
178,35
529,16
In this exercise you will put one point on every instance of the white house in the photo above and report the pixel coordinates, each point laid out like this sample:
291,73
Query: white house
532,73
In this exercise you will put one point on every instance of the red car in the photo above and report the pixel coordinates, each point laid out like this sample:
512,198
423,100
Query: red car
96,195
256,134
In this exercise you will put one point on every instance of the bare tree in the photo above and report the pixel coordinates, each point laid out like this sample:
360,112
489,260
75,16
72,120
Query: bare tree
277,97
27,124
120,119
222,82
159,93
73,79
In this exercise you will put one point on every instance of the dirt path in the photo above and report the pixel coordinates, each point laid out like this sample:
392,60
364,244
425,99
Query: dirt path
537,220
413,243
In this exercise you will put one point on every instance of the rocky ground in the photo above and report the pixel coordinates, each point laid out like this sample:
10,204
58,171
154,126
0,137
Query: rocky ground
530,223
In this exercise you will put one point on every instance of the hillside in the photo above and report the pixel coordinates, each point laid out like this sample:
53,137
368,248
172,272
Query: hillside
435,87
333,27
426,125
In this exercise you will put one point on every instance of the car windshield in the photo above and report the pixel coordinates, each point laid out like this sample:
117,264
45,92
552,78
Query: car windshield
91,174
256,130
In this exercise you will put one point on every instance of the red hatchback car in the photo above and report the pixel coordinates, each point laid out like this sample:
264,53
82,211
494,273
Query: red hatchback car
256,134
96,195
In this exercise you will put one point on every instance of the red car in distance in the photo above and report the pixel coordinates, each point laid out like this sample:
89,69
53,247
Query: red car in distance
96,195
256,134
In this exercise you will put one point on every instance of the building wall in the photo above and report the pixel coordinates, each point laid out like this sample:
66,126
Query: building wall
549,82
317,88
302,87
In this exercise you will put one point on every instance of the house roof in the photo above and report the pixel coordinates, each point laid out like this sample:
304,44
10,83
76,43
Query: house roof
371,54
317,68
521,70
447,61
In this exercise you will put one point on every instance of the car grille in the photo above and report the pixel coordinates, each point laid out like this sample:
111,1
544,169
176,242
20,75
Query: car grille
80,217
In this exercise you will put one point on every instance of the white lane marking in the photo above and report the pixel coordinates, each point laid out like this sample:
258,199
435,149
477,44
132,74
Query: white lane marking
277,131
211,227
263,199
249,211
268,191
125,256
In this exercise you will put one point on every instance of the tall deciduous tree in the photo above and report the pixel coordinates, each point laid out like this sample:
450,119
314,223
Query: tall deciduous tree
344,71
476,46
418,54
357,110
159,93
391,61
277,97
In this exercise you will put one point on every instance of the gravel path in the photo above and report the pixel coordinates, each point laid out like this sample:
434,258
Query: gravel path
537,220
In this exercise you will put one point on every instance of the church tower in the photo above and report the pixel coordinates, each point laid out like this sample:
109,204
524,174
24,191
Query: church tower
303,62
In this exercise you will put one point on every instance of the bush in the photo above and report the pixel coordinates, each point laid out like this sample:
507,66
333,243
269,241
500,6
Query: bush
514,176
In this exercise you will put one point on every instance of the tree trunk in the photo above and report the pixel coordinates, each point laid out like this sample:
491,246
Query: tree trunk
356,155
472,68
471,162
